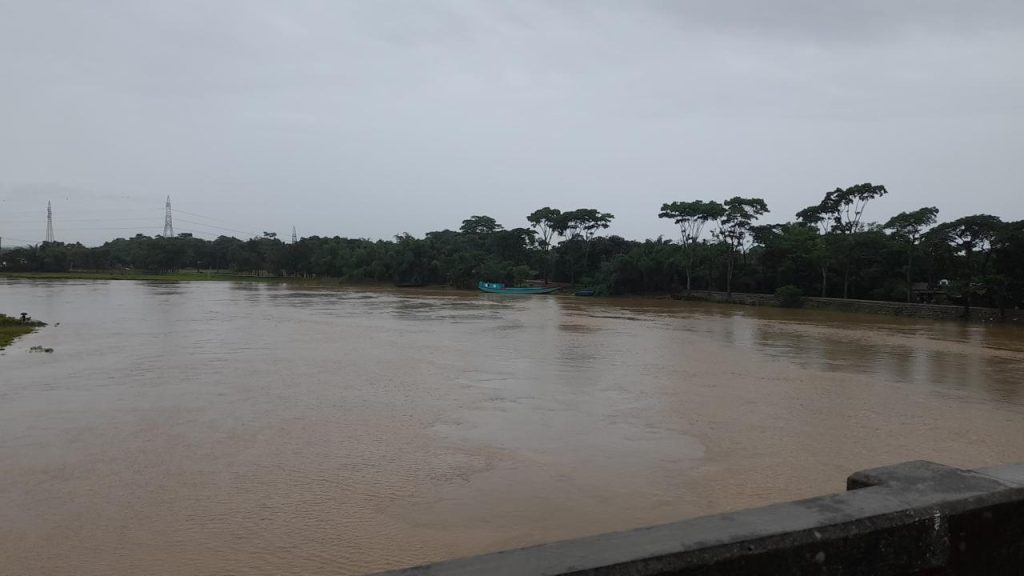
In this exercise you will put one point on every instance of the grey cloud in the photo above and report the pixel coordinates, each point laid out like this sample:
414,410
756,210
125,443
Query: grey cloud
373,118
874,20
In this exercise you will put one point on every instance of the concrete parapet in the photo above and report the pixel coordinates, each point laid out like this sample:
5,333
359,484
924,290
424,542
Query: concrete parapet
916,518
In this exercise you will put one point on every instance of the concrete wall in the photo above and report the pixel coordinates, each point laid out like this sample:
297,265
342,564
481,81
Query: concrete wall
916,518
928,311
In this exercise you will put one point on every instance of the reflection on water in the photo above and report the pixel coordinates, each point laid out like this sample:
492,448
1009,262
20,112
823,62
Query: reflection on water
212,428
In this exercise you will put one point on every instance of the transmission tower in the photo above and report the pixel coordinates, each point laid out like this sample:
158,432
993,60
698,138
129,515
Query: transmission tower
295,237
168,225
49,222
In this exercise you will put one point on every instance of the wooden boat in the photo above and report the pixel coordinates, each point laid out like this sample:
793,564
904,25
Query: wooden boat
499,288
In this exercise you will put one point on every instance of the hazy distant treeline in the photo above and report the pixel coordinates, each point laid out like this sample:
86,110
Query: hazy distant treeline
828,249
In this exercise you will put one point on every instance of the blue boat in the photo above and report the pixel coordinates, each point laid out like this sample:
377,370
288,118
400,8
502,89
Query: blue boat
586,292
499,288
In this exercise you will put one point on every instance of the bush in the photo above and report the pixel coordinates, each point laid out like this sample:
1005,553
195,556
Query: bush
789,296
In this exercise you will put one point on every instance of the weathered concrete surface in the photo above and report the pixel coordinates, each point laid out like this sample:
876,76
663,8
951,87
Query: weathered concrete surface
913,518
912,310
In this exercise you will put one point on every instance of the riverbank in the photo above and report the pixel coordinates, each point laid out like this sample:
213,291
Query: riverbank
13,328
880,307
209,276
170,276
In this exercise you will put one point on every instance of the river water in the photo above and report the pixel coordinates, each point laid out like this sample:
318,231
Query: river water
250,428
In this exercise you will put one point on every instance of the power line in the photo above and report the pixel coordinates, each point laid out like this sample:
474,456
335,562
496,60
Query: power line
30,242
148,228
91,228
85,211
217,227
89,220
168,229
201,235
193,214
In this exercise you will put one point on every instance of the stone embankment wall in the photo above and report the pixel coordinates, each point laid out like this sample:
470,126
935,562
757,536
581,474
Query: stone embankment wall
928,311
912,519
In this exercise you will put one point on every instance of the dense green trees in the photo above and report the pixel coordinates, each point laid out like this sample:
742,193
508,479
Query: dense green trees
1008,264
908,228
721,246
548,223
838,218
734,229
971,239
691,218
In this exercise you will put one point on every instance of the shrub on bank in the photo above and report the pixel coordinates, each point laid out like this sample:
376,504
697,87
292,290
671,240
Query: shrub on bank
789,296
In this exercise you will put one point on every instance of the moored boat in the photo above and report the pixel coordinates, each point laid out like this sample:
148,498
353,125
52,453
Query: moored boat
585,292
499,288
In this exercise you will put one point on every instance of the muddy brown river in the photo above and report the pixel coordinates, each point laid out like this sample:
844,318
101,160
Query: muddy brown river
247,428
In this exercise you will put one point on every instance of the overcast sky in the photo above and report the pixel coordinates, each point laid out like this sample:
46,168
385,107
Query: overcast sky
377,117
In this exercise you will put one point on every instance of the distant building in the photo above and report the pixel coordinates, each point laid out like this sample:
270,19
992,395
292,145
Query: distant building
925,293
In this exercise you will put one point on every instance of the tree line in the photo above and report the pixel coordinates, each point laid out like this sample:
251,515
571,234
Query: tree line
828,249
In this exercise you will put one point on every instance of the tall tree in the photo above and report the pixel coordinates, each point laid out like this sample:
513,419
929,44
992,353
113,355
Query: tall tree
480,225
1008,252
582,225
691,218
969,236
817,217
848,205
909,228
734,229
837,216
547,222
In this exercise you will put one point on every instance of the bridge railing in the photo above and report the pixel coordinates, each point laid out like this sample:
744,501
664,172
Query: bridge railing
916,518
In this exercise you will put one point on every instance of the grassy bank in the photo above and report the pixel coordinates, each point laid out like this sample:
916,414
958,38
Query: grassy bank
192,276
11,328
169,277
879,307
